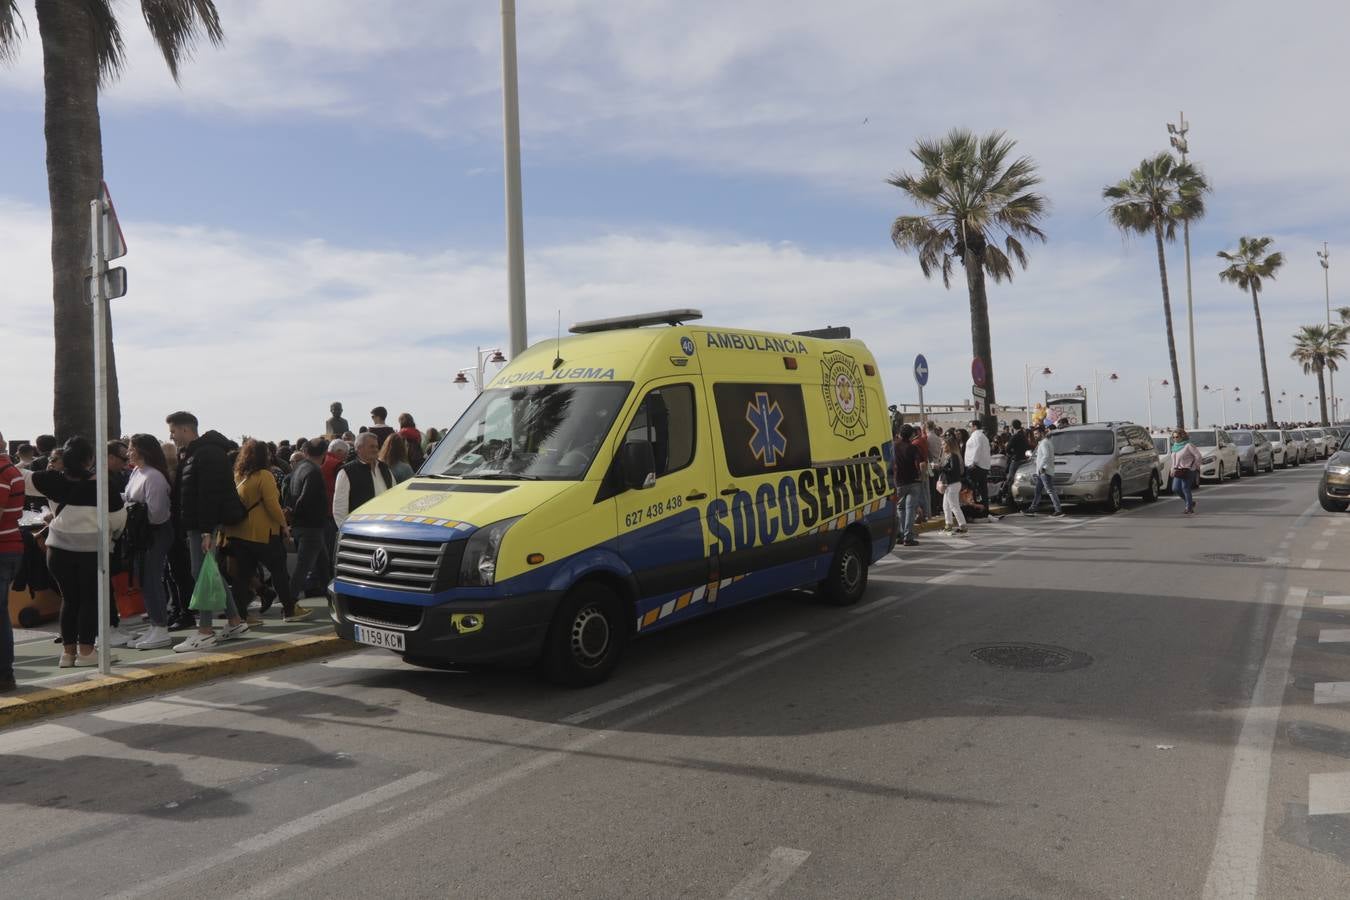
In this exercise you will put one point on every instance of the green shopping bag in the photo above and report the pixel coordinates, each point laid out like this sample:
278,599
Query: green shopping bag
209,594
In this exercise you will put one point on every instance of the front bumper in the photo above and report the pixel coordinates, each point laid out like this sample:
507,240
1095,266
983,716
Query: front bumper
1073,492
509,629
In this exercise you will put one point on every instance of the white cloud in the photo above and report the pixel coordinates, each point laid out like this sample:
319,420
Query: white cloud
260,337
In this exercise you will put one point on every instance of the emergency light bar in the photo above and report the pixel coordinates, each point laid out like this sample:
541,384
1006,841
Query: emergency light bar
619,323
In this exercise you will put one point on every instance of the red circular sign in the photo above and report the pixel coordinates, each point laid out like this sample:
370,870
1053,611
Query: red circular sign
977,372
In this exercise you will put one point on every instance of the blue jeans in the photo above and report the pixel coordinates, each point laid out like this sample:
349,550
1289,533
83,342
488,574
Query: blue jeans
911,499
9,567
1182,488
1048,483
152,573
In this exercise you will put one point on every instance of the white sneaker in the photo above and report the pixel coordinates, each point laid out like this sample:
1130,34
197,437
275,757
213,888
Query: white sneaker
116,637
197,641
156,637
233,631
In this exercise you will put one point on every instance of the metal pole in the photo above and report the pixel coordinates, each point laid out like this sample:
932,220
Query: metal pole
515,228
1096,395
1149,383
1026,374
1326,280
923,433
96,267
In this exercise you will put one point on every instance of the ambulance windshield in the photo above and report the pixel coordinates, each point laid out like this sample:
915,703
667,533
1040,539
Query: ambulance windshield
548,432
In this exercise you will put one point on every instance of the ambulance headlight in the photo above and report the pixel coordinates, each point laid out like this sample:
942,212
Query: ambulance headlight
479,565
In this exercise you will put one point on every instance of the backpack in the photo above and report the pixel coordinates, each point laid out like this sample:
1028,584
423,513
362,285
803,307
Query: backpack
232,510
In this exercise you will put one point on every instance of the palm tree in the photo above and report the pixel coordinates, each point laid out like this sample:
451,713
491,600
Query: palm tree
1157,196
970,196
1247,268
1319,348
82,51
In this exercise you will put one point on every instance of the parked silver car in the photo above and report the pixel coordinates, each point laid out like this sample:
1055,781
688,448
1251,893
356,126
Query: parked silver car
1309,448
1099,463
1322,442
1254,452
1298,441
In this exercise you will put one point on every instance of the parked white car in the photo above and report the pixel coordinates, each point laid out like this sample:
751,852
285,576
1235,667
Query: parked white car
1281,446
1321,441
1218,456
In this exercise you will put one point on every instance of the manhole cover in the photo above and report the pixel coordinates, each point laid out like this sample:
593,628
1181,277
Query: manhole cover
1031,657
1233,557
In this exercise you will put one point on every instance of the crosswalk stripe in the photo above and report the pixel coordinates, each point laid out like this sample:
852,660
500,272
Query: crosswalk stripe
1334,636
1336,600
1329,794
1312,564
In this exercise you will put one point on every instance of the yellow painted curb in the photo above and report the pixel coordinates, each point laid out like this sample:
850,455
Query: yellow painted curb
128,682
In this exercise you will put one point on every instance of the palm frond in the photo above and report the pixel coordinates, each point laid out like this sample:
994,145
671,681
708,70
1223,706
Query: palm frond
12,30
178,25
107,38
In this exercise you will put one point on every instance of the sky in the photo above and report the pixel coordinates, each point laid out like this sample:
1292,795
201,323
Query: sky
316,212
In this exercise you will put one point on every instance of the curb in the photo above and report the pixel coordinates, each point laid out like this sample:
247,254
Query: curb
131,682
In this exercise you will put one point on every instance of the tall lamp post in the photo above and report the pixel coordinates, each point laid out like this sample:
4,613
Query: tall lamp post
1149,381
515,227
1045,370
1324,257
477,373
1223,404
1097,392
1178,134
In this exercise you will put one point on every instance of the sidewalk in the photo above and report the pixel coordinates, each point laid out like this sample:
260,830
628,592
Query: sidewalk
44,689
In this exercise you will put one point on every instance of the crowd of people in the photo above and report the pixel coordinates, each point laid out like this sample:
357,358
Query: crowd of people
172,505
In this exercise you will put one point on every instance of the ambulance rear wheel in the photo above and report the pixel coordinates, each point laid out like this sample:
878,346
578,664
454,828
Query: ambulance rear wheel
586,638
847,580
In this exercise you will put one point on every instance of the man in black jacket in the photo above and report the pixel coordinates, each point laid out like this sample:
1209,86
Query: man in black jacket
307,501
360,480
203,485
1018,445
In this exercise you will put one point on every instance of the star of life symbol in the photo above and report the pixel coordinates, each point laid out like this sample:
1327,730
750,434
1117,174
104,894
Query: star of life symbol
845,400
768,443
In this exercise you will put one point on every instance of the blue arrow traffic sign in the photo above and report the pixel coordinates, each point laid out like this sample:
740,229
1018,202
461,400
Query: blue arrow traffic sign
920,370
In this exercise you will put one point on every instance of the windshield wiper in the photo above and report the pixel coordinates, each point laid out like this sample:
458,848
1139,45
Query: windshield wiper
503,476
442,475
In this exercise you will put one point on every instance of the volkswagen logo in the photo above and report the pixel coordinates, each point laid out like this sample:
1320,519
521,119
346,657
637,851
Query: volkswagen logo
379,561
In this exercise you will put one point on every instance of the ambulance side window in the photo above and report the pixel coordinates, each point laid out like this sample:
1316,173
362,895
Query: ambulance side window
666,418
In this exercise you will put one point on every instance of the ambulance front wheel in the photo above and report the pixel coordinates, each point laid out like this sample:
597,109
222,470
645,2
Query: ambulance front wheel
847,580
586,638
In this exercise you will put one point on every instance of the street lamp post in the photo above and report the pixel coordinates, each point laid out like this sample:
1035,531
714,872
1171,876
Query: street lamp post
1149,382
1045,370
477,373
1178,134
515,228
1324,257
1097,392
1223,404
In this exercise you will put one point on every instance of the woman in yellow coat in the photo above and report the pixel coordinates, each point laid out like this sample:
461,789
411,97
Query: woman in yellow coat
258,538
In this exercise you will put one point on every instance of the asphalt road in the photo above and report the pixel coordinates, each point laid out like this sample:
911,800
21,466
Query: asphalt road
781,749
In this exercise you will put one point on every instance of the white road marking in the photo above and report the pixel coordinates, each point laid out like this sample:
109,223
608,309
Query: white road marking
1329,794
37,736
594,712
1336,600
875,604
1331,692
769,875
1329,532
1312,564
1334,636
772,645
1235,867
279,835
1321,545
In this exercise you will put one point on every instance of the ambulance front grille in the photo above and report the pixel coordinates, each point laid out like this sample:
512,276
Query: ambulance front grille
417,566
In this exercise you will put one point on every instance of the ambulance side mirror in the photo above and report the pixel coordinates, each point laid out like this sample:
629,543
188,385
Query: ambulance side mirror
637,462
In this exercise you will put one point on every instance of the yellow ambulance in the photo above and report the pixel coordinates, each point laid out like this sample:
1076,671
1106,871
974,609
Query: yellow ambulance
638,473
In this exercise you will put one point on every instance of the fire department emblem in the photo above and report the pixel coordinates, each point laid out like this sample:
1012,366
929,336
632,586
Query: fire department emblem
845,398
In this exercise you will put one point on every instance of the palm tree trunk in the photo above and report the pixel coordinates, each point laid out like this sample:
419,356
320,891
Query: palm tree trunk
1167,316
1261,343
979,331
74,171
1322,391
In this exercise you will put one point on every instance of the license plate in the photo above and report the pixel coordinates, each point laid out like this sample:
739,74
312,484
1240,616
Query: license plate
377,637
